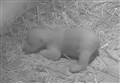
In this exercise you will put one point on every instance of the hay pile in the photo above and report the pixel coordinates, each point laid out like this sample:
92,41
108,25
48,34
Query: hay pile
102,16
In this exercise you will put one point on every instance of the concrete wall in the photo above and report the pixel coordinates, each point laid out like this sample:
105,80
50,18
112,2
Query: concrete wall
8,8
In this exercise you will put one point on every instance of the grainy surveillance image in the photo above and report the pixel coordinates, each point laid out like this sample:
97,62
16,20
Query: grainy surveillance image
59,41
